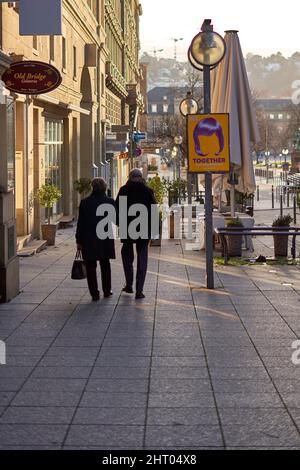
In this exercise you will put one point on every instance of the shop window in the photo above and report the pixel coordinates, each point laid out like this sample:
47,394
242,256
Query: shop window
74,62
102,85
54,157
64,53
52,47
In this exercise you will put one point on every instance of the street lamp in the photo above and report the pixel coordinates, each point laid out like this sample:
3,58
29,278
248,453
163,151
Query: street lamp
285,152
189,105
267,161
178,140
176,40
206,51
208,48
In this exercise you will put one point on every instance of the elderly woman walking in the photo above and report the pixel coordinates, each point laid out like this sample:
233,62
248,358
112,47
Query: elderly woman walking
92,247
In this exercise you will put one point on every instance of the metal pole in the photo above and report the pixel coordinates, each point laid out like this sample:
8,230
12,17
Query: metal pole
179,171
208,193
190,188
281,205
273,199
295,209
257,193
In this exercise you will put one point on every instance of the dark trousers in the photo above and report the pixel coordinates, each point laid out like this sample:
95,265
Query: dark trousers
91,267
142,263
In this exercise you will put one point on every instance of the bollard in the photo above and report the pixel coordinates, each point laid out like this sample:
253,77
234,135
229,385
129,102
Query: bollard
288,197
281,205
295,209
172,225
273,199
257,193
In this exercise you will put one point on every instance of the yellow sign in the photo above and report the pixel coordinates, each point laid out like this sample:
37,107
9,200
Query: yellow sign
208,143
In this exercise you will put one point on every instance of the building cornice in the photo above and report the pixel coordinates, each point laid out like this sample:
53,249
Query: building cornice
113,21
5,61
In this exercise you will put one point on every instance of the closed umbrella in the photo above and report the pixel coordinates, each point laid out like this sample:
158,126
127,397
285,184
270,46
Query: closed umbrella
231,94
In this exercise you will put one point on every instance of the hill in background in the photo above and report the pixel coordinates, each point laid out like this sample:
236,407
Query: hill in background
270,77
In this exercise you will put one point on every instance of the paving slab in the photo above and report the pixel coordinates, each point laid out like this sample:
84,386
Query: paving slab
189,436
37,415
99,436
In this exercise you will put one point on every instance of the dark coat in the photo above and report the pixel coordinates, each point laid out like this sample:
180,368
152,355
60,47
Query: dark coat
137,193
92,247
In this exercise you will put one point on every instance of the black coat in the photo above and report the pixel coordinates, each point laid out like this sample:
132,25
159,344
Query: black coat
92,247
137,193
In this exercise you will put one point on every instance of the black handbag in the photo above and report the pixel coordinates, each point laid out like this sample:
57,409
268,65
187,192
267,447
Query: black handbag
79,268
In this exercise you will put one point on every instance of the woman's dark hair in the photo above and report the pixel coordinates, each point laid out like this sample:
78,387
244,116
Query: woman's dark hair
208,127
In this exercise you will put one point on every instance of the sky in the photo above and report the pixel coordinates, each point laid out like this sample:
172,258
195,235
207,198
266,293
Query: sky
265,26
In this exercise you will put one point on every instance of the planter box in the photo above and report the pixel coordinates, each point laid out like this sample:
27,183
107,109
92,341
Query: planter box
49,233
281,244
235,245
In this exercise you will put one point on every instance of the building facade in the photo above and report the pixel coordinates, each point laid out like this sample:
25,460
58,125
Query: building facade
69,133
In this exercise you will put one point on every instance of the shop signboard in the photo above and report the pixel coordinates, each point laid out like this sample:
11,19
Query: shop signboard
31,78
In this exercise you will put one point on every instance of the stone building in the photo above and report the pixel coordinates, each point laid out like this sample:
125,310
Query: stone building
68,134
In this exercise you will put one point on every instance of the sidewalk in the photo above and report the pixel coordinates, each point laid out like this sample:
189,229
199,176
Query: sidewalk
187,368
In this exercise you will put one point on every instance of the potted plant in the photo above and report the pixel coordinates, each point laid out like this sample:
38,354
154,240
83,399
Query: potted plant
281,241
152,168
174,189
47,196
159,190
83,186
235,243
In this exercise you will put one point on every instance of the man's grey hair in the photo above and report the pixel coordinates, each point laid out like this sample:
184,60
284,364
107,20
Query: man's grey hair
99,185
136,175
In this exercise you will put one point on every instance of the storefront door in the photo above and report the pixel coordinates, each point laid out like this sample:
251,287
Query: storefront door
54,132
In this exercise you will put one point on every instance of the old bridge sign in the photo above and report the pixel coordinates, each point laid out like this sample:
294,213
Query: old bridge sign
31,78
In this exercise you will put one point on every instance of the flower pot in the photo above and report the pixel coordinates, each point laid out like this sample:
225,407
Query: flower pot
235,246
48,233
281,243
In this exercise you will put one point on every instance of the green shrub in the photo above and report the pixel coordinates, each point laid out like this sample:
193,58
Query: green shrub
158,188
235,223
283,221
47,196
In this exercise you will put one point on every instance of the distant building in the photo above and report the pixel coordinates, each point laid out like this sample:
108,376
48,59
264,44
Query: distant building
276,110
163,103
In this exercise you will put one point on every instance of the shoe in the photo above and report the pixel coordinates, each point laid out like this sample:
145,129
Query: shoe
96,298
107,295
140,296
128,290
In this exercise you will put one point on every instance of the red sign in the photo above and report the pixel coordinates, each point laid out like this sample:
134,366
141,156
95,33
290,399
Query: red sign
138,152
31,78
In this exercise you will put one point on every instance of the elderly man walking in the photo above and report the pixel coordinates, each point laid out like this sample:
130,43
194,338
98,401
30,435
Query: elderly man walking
92,247
136,192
